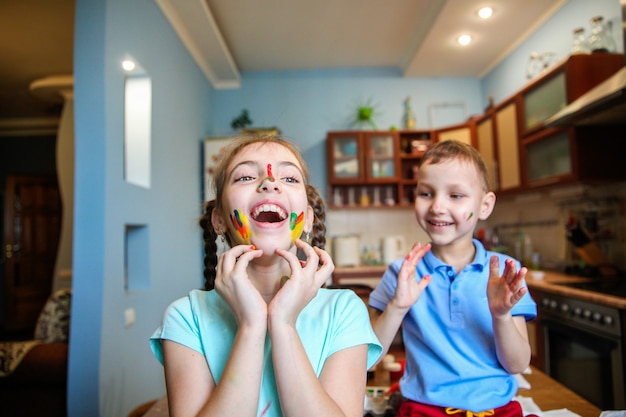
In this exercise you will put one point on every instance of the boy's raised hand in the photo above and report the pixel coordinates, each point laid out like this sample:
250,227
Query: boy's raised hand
408,289
505,291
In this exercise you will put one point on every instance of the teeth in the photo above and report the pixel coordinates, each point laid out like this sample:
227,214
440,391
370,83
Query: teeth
269,208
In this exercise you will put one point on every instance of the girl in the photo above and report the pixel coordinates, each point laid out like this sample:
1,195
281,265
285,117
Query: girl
263,339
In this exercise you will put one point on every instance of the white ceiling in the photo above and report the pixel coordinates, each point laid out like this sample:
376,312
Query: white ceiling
227,37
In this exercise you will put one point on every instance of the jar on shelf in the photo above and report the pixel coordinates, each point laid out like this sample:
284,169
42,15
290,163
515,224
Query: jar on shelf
580,45
598,39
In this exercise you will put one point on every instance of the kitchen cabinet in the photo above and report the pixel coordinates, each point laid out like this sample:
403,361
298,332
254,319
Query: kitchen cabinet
561,85
485,143
498,143
363,167
507,147
373,168
462,133
583,154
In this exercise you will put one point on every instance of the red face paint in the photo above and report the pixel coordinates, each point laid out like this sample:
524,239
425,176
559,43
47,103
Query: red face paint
270,176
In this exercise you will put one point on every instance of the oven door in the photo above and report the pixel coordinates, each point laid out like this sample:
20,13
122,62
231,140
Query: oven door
587,362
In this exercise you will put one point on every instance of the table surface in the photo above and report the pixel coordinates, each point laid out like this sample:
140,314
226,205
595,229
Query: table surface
546,392
549,394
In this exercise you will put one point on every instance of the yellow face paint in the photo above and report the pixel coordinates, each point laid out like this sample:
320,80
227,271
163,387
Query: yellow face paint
296,224
240,221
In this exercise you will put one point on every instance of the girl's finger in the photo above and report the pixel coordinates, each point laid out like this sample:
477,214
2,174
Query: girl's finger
312,258
240,255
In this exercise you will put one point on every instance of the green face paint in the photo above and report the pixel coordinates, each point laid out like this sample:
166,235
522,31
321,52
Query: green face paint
296,224
470,216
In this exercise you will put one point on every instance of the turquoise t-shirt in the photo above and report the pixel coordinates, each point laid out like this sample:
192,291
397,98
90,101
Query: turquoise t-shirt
332,321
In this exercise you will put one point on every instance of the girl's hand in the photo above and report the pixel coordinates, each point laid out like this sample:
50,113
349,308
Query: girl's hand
234,286
504,292
408,289
306,278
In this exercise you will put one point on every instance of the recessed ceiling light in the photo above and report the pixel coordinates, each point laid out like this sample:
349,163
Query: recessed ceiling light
464,39
485,12
128,65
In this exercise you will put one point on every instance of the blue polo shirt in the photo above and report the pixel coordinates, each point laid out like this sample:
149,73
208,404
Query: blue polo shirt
448,335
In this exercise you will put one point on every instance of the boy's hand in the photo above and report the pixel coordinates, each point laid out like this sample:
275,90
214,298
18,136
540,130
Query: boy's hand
408,289
505,291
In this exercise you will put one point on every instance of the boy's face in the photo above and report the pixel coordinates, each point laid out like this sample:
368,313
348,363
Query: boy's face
450,200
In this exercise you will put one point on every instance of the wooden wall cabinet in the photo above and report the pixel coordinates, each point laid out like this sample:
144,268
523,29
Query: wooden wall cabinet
582,154
589,154
561,85
485,143
373,168
498,143
507,147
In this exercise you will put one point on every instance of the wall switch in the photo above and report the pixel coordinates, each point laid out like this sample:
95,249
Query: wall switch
129,316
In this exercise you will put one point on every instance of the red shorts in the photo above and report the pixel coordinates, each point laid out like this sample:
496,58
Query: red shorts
412,409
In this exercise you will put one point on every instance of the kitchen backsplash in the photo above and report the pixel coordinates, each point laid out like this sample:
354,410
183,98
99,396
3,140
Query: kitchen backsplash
538,218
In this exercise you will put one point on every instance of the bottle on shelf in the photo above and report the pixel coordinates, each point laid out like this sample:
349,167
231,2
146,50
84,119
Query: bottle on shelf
365,198
580,45
598,39
409,115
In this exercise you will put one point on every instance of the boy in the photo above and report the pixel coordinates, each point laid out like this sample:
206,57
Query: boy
463,310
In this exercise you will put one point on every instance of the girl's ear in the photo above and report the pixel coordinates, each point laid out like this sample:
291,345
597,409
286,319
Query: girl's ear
310,217
218,222
487,205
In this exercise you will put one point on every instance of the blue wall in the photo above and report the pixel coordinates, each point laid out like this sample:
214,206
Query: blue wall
111,367
307,104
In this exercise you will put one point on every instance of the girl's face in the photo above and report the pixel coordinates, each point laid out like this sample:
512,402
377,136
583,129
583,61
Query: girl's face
450,200
264,200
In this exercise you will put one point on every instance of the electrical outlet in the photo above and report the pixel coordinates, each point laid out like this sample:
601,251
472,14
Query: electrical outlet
129,316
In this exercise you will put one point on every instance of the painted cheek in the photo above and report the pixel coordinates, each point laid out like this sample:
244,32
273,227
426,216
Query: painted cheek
296,224
470,216
240,221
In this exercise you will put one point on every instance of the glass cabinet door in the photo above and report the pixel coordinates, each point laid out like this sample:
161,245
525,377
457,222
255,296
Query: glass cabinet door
345,162
549,157
381,156
544,101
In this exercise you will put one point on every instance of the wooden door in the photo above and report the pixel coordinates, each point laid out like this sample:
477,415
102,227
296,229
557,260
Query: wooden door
32,225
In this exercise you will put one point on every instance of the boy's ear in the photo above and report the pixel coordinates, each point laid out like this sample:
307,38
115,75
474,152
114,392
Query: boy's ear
487,205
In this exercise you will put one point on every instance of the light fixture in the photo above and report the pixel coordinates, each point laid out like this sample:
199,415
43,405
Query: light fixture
464,40
128,65
485,12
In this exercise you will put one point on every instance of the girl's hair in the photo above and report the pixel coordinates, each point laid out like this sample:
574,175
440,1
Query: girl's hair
209,234
452,149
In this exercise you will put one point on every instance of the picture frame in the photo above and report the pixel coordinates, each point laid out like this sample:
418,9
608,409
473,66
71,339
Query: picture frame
213,151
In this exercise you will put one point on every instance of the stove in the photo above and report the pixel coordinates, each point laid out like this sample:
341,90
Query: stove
583,342
604,285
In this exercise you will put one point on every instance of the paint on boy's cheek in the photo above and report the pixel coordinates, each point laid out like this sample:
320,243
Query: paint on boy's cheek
470,215
240,221
296,224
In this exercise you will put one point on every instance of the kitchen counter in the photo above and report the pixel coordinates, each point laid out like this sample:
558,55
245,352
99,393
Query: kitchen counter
550,284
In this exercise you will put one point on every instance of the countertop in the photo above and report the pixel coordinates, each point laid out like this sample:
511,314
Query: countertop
550,282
